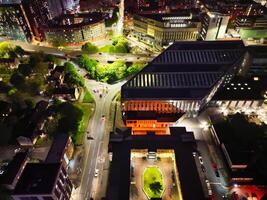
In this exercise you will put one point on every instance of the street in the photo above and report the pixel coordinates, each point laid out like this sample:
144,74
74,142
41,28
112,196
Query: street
96,149
101,57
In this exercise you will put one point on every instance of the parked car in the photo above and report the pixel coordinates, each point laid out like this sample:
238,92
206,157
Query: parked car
96,172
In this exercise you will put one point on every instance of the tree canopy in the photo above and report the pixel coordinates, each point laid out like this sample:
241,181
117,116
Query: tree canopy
72,77
88,47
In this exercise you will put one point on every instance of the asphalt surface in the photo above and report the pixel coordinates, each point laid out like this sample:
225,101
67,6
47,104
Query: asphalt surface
101,57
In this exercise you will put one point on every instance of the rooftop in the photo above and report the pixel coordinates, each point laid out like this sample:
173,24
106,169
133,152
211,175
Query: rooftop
13,168
179,14
119,181
37,178
240,138
186,70
57,149
74,20
243,88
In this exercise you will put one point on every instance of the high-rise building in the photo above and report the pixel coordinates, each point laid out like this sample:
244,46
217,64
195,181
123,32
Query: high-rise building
14,22
179,82
37,14
214,25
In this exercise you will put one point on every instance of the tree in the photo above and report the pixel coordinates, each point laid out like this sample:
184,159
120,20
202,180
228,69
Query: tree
88,64
155,187
50,58
135,68
71,75
5,49
25,69
18,80
12,91
35,59
19,51
70,118
89,48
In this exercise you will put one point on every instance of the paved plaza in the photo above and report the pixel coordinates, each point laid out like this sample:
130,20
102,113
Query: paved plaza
166,166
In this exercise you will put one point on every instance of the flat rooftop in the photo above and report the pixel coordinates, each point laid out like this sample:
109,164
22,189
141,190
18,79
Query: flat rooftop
243,88
37,178
185,70
58,148
119,180
13,168
180,14
240,138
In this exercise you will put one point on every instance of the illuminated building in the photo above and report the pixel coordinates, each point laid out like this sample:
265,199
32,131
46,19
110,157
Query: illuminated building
251,27
14,22
180,81
37,15
73,29
178,147
241,93
235,8
162,29
214,25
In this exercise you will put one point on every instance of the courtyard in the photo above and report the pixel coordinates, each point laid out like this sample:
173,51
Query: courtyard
154,175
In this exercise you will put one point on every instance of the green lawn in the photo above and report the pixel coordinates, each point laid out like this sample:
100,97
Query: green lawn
87,109
88,98
153,182
105,49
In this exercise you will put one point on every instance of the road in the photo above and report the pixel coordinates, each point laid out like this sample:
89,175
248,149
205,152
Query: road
208,154
121,18
101,57
96,149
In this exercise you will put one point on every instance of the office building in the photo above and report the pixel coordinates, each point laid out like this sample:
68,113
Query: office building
179,82
75,29
214,25
163,29
43,181
251,27
132,155
14,23
242,93
243,161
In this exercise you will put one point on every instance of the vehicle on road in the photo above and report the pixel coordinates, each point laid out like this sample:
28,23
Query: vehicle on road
203,168
17,150
96,172
100,95
200,160
89,137
217,173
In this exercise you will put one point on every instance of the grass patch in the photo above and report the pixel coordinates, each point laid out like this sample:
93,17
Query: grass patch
88,98
153,182
87,109
105,49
